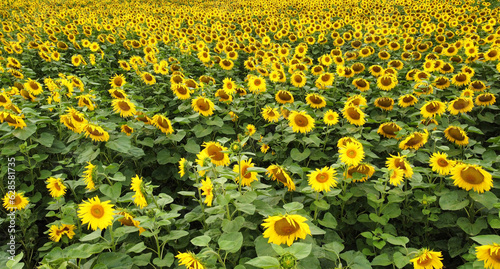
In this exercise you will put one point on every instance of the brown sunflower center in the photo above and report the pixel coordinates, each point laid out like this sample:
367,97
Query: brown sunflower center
315,99
223,95
477,85
432,108
284,96
215,153
95,132
361,83
245,173
297,79
399,163
124,106
351,153
460,104
203,105
182,90
10,119
284,228
322,177
148,77
442,162
485,98
57,187
386,81
163,123
456,134
34,85
353,113
472,176
97,211
425,261
390,129
301,120
415,140
17,200
325,77
408,99
461,78
118,81
385,102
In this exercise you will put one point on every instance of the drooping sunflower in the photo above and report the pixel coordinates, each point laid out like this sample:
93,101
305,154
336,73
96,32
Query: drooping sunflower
276,172
361,84
385,103
363,168
223,96
98,215
226,64
407,100
12,120
331,117
163,123
117,81
284,97
400,162
117,93
207,189
56,232
189,260
247,177
301,122
14,201
88,176
322,179
148,78
456,135
428,259
342,142
471,177
95,132
439,163
414,141
352,154
387,82
324,80
203,106
388,129
489,254
181,91
182,166
460,79
214,151
126,129
128,220
139,197
354,115
432,109
356,100
56,187
124,107
485,99
396,177
441,83
460,105
270,114
315,100
285,229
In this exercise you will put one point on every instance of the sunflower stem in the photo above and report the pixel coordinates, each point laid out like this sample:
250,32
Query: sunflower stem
316,208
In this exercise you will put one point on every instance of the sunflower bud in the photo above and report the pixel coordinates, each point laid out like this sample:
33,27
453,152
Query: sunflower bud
288,261
236,147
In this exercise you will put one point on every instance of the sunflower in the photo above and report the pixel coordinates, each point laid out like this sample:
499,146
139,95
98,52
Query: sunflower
226,64
148,78
414,141
229,86
163,123
285,229
12,120
215,151
396,177
128,220
270,114
322,180
364,169
14,201
85,100
301,122
276,172
471,177
485,99
388,129
407,100
460,105
181,91
361,84
223,96
331,118
354,115
385,103
441,83
207,188
139,198
490,255
96,213
298,79
432,109
315,100
257,84
56,232
352,154
189,260
117,81
264,148
460,79
376,70
33,87
247,177
88,176
400,162
427,259
56,187
284,97
126,129
250,129
124,106
477,86
456,135
439,163
95,132
387,82
203,105
325,80
356,100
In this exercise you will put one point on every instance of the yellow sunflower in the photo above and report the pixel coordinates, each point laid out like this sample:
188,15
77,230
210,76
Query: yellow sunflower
229,86
182,166
388,129
270,114
363,168
361,84
471,177
148,78
460,105
456,135
98,215
189,260
352,154
284,97
247,177
396,177
181,91
427,259
88,176
163,123
331,117
12,120
124,107
407,100
215,151
285,229
95,132
432,109
117,81
490,255
14,201
276,172
387,82
56,187
354,115
207,188
128,220
439,163
322,179
300,121
315,100
414,141
203,106
400,162
127,129
485,99
385,103
256,84
33,87
298,79
139,198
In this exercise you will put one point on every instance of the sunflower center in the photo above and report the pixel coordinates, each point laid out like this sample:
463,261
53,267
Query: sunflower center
3,99
57,187
425,261
460,104
257,82
223,95
322,177
361,83
400,164
245,173
33,85
301,120
432,108
456,134
215,153
284,228
351,153
97,211
182,90
325,77
442,162
148,77
385,102
124,106
95,132
461,78
353,114
10,119
203,105
390,129
472,176
17,200
284,96
386,81
297,79
163,123
118,81
415,140
331,117
485,98
477,85
316,100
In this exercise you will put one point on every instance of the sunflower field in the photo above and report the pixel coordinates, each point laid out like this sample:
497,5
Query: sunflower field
250,134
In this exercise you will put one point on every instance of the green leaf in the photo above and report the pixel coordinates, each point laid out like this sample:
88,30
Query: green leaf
298,156
382,260
264,262
167,261
26,132
231,242
487,239
293,206
15,261
46,139
328,221
115,260
112,192
137,248
400,260
142,260
201,241
175,234
245,208
487,199
453,201
300,250
217,121
192,147
95,234
472,228
398,241
321,205
235,225
201,131
355,260
122,144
